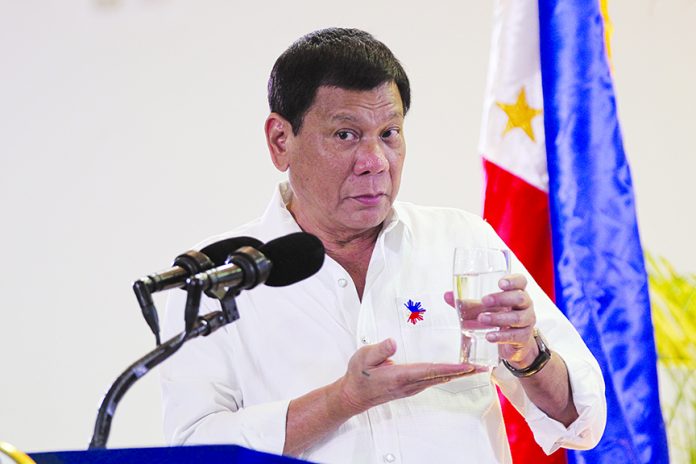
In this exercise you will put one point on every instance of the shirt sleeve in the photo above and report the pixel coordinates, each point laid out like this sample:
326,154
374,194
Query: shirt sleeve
586,381
201,397
588,395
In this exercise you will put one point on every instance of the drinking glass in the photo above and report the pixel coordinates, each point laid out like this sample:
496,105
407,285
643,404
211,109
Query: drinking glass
477,272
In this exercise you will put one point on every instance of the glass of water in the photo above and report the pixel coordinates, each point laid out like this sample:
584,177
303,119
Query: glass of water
477,272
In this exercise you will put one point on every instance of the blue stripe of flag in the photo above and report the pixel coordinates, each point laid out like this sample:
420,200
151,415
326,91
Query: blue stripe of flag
601,283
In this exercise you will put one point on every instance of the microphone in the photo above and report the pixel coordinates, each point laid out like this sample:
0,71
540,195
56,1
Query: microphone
185,265
295,257
281,262
220,251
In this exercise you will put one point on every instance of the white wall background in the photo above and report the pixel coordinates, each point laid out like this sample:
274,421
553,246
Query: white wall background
131,129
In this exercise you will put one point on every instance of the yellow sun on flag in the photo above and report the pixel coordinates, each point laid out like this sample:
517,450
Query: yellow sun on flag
520,115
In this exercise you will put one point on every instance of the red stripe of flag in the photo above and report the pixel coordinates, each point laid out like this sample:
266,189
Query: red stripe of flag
519,212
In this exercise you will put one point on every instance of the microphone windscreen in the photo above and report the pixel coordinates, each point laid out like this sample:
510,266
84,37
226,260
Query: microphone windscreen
295,257
220,250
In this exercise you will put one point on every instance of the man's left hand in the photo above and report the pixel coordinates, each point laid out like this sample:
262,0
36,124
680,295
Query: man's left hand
512,310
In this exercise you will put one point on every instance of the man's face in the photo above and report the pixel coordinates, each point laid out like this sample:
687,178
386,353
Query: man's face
345,163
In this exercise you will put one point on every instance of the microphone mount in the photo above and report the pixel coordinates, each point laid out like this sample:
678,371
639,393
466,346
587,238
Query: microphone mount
185,264
245,269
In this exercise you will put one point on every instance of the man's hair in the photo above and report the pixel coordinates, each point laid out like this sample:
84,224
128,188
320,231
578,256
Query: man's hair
349,59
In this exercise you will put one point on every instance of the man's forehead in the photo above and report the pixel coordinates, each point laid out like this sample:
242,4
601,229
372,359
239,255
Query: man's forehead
338,103
351,117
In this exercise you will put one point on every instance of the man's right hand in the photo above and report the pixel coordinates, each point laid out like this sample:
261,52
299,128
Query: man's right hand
373,378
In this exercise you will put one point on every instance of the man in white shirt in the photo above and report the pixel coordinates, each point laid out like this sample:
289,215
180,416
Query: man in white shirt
330,369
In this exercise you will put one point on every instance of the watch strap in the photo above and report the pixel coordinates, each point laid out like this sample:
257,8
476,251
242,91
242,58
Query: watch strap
539,362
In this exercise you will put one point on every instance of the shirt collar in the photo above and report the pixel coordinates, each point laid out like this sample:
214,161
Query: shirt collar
277,219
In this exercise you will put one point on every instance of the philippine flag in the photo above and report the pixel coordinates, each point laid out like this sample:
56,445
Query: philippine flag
559,192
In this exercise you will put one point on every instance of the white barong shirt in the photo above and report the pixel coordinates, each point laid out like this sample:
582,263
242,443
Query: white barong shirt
235,385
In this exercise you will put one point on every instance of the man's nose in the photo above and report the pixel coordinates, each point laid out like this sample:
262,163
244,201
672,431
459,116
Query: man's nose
371,157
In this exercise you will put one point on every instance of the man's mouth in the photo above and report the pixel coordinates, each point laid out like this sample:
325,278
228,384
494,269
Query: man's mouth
369,199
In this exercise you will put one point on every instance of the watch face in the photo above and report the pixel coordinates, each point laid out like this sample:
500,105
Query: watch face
541,341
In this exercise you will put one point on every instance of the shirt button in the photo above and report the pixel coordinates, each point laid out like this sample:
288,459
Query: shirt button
584,433
342,282
389,457
364,340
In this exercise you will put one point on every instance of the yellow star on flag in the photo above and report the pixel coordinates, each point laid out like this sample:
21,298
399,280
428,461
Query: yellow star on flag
520,114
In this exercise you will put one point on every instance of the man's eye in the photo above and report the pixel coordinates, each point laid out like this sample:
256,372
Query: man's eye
390,133
345,135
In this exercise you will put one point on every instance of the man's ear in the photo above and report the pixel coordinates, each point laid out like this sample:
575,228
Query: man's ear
278,131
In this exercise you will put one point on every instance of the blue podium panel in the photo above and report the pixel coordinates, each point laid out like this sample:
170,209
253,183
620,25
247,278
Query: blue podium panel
169,455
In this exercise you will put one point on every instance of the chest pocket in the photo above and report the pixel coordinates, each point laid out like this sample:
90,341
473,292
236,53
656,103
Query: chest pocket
430,332
429,328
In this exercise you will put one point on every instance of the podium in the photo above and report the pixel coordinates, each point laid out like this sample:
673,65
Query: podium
210,454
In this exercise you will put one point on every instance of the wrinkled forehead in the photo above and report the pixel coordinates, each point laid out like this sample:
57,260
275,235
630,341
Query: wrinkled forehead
342,103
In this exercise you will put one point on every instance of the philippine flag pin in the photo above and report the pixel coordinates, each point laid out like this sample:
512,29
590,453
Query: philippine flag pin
416,311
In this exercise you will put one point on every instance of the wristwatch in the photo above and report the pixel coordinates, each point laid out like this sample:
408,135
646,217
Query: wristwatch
542,358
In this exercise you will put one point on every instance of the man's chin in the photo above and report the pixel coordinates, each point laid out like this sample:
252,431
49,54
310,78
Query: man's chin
369,218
